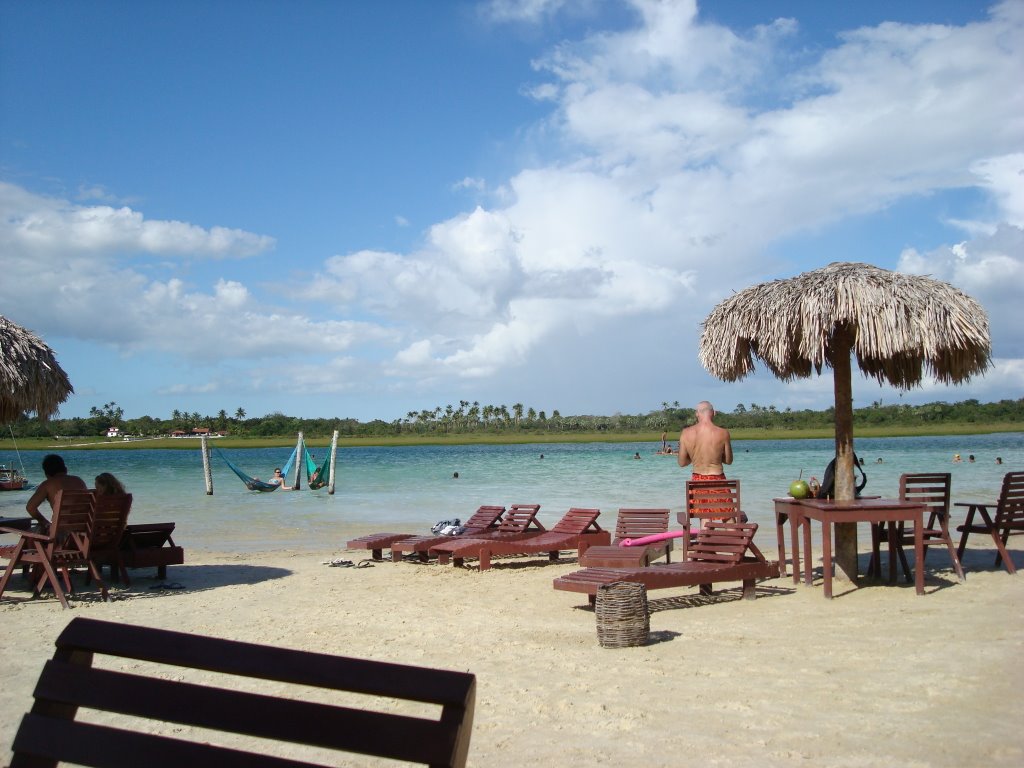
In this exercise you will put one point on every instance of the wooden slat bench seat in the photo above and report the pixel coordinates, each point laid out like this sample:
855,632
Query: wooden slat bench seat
720,552
71,684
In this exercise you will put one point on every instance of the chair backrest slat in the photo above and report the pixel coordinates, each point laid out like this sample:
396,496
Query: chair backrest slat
577,521
69,682
520,517
1010,509
723,543
715,499
487,516
931,489
636,523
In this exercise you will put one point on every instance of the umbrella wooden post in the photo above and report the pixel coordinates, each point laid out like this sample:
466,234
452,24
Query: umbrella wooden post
207,473
846,533
334,458
300,460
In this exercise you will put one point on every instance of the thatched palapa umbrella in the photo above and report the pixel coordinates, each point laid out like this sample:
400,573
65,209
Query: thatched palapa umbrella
899,326
31,381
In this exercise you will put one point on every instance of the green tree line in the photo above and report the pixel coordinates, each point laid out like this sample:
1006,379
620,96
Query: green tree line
472,417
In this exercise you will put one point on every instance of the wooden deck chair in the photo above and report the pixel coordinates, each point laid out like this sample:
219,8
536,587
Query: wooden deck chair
719,552
63,547
632,524
1007,521
377,542
577,530
485,520
520,522
708,500
169,711
933,490
109,521
150,545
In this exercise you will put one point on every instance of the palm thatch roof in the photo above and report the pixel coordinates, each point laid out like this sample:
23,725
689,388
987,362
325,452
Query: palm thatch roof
31,381
904,326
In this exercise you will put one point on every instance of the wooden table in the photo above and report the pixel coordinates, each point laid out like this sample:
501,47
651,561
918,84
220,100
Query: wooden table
800,513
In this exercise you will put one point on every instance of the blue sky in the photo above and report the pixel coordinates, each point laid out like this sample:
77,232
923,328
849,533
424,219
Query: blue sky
361,209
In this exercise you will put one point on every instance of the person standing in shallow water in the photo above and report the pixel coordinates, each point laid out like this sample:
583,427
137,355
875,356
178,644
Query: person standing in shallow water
705,446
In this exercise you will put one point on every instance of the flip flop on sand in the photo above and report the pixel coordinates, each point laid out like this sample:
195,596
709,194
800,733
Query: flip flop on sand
339,563
368,563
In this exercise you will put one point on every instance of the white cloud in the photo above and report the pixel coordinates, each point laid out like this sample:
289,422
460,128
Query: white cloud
525,11
52,228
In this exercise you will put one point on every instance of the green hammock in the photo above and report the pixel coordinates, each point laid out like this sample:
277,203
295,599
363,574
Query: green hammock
250,482
316,477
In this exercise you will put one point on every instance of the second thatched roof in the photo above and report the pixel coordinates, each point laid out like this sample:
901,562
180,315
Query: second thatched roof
904,326
31,381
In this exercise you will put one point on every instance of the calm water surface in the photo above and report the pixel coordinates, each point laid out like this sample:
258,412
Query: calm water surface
409,488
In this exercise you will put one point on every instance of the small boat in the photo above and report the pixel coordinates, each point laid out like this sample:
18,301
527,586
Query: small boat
11,479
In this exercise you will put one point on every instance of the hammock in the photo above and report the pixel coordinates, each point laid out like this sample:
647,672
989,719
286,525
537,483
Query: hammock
316,477
250,482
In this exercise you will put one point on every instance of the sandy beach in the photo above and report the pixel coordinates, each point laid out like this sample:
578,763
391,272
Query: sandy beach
877,676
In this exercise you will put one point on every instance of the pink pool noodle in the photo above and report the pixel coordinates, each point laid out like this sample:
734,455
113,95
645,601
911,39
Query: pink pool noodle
655,537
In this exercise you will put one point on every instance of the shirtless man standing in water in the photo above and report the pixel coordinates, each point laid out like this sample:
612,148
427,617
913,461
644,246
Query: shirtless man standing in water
705,445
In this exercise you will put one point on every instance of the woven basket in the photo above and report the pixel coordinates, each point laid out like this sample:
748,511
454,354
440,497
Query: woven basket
622,617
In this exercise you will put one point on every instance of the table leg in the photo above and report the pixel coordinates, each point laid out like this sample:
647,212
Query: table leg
894,545
780,533
806,525
794,532
919,552
826,556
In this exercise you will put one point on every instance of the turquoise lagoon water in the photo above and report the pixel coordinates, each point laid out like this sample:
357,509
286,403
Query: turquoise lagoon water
409,488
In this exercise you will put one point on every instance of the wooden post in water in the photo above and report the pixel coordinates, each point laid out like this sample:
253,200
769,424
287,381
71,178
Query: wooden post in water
334,458
204,447
300,462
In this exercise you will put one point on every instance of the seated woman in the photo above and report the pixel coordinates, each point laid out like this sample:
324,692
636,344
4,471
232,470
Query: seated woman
108,485
278,480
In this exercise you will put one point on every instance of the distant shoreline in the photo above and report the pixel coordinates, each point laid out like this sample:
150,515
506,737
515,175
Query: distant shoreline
190,443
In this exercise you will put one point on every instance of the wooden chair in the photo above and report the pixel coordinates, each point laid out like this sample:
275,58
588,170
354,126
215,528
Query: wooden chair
708,500
719,552
577,530
632,524
109,521
933,490
1007,521
153,697
63,547
150,545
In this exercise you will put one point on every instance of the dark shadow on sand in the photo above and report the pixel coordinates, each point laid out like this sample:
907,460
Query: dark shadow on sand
145,584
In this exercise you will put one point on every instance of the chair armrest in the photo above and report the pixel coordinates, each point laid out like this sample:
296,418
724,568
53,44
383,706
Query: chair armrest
27,534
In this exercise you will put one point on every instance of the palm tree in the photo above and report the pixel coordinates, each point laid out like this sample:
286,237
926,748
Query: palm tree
239,414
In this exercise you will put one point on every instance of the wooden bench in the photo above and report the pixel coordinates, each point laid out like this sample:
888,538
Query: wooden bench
153,697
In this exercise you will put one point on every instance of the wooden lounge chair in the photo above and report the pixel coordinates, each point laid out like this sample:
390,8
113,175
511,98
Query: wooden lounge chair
149,545
632,524
520,522
720,552
577,530
931,488
1007,521
64,546
486,521
377,542
154,696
